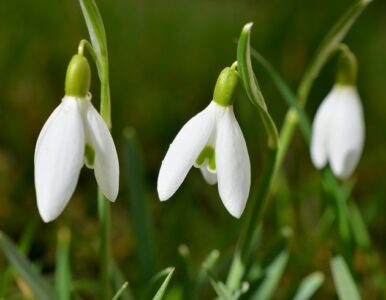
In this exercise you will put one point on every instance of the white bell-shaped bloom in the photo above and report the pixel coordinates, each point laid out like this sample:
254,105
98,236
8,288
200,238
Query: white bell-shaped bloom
60,154
212,140
338,131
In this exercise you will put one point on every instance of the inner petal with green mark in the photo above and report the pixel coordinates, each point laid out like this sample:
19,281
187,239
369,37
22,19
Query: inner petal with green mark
89,156
207,156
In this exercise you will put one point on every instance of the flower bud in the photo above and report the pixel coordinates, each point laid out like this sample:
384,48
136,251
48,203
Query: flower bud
225,87
78,77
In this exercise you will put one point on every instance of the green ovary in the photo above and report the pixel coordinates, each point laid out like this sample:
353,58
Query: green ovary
207,154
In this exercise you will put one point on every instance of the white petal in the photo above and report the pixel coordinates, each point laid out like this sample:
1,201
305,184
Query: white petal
321,130
184,150
210,177
58,159
347,133
106,166
232,164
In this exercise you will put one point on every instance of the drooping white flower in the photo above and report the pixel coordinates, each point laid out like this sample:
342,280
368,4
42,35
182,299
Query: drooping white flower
75,133
212,141
339,131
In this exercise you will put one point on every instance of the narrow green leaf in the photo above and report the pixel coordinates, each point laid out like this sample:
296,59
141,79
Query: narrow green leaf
286,93
251,85
272,277
139,211
119,281
221,290
309,286
343,280
120,291
358,227
97,34
24,247
206,266
160,293
25,269
63,273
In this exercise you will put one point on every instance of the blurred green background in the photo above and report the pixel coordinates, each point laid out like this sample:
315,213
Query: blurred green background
165,57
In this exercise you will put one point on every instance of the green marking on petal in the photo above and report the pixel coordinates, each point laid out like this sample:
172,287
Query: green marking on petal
208,154
89,155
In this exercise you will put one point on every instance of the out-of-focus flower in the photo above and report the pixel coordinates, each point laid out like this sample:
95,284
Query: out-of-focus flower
73,135
212,141
339,127
338,131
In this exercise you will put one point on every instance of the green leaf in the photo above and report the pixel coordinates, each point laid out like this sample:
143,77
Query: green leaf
251,85
119,281
63,273
272,277
120,291
309,286
24,247
97,34
286,93
221,290
24,268
160,293
343,280
358,227
139,211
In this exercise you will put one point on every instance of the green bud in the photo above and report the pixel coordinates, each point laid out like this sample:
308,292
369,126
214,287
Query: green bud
78,77
347,67
225,87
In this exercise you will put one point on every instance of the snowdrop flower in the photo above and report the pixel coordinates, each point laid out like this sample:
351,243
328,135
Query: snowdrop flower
213,142
73,135
338,127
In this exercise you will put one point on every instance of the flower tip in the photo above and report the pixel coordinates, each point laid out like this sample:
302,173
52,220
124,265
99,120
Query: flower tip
112,198
163,195
46,216
236,214
248,26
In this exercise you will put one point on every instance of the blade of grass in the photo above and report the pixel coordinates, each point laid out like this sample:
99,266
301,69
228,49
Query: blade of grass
206,265
272,276
286,93
62,272
358,227
120,291
24,247
119,281
25,269
221,290
161,292
344,283
309,286
139,210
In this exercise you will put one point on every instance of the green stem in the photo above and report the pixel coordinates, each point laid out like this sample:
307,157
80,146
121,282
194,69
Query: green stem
104,229
252,224
85,44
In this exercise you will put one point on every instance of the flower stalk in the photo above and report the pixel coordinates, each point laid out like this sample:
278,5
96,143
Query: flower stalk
99,53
